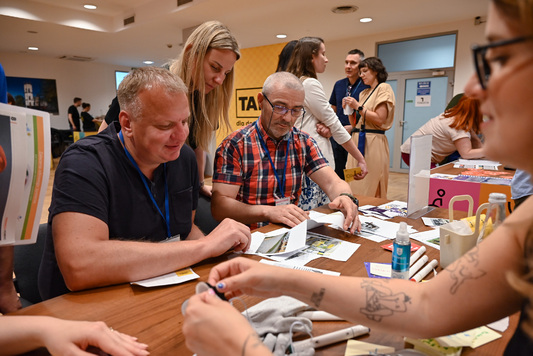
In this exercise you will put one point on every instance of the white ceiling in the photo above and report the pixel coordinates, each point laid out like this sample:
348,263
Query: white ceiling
159,23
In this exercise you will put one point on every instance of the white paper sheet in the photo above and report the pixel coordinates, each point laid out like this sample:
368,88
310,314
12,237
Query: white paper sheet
177,277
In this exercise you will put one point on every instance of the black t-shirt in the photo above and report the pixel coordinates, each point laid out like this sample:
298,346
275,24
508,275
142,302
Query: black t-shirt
88,124
73,110
95,177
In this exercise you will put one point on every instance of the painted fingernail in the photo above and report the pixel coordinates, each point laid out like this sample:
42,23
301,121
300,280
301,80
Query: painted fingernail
211,291
221,285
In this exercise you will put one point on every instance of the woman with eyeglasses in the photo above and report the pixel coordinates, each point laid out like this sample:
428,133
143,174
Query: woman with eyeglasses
309,59
491,281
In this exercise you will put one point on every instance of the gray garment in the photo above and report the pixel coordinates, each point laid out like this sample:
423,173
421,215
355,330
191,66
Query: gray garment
272,320
521,185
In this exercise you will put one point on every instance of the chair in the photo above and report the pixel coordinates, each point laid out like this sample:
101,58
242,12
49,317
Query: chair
26,267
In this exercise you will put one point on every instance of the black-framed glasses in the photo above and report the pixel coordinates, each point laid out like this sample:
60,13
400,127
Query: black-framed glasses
282,110
483,69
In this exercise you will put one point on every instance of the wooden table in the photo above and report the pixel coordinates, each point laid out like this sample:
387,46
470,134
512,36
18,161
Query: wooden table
154,314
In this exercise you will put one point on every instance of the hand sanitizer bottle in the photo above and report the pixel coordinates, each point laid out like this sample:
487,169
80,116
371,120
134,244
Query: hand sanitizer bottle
401,253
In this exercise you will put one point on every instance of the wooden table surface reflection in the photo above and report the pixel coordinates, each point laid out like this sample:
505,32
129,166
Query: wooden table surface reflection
154,314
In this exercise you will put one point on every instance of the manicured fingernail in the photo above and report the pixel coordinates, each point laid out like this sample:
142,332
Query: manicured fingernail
211,291
221,285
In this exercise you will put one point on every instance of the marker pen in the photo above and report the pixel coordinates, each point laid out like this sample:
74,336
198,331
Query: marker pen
425,271
327,339
417,254
414,268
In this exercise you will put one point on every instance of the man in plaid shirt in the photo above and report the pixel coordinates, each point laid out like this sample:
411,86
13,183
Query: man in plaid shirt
258,169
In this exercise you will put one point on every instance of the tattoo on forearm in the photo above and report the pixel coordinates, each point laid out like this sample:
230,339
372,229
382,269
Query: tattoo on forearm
254,340
316,298
381,301
465,268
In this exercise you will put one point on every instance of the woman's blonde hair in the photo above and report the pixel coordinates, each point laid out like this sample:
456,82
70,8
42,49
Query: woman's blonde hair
207,110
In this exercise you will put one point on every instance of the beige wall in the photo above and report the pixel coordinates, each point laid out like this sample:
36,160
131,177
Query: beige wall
467,34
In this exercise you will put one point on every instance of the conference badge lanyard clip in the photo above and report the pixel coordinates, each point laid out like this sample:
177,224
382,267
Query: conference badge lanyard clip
281,182
165,217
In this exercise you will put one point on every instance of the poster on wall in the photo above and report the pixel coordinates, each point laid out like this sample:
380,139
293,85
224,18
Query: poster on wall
33,93
25,151
423,93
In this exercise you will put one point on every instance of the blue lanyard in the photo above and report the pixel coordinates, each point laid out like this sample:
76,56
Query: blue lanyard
165,217
349,92
281,183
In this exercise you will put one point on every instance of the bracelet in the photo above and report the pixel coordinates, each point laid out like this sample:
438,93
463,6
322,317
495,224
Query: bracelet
354,199
202,184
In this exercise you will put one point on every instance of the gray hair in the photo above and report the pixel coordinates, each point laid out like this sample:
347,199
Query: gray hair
282,80
146,78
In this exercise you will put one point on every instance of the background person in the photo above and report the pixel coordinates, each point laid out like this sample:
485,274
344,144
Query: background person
352,85
117,194
456,129
89,122
74,115
493,280
285,56
376,109
308,59
258,169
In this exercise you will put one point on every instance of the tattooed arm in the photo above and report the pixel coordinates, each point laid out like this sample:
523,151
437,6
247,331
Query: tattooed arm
473,290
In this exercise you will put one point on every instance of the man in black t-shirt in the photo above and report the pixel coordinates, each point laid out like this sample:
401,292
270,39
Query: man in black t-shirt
118,194
74,115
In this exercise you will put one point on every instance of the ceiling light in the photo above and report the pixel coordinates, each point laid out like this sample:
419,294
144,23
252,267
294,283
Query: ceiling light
366,19
344,9
148,62
89,7
281,35
32,48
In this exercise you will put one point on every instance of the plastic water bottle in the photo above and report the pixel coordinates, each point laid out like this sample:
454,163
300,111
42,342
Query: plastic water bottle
495,214
401,253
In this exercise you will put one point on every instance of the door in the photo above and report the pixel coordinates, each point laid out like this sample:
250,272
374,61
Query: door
420,96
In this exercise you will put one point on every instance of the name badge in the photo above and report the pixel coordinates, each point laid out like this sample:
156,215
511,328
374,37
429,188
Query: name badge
283,201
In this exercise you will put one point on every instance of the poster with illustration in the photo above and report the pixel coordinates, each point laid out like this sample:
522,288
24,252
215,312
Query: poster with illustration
26,155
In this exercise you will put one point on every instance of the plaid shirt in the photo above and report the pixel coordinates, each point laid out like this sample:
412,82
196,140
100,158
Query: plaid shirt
241,160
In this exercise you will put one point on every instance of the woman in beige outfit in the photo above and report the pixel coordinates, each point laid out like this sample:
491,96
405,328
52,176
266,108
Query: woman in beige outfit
375,110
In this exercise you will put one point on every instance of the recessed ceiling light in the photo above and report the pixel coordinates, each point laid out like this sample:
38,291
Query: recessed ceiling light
344,9
148,62
89,7
366,19
281,35
32,48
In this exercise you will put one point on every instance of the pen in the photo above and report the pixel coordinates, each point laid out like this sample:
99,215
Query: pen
425,271
327,339
422,261
417,254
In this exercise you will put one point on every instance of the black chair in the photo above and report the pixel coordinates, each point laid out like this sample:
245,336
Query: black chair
26,267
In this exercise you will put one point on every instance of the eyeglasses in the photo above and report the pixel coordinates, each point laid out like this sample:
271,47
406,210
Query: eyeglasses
282,110
481,63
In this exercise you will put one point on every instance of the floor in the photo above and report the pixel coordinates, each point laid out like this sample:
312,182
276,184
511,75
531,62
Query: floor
397,189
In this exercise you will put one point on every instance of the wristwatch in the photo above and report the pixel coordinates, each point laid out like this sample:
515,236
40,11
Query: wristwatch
360,108
354,199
